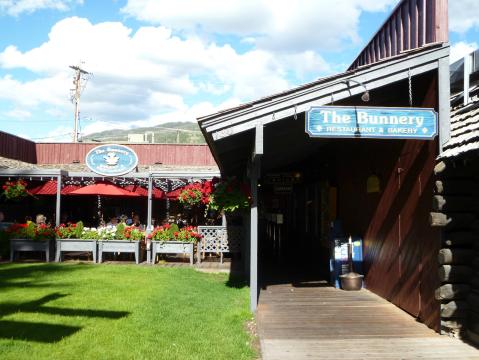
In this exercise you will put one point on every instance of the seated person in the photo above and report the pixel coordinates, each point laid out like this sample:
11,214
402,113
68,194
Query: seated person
113,222
41,219
137,223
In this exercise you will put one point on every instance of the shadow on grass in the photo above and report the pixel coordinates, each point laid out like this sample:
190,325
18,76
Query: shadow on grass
39,332
237,282
10,274
46,332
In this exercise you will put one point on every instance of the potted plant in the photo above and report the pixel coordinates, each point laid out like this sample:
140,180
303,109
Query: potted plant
74,237
31,237
120,239
168,239
15,190
230,195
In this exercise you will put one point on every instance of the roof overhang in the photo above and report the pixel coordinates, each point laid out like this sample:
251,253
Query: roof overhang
32,172
322,92
166,174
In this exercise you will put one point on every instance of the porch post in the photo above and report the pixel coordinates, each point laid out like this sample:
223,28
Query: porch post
150,196
444,98
254,175
59,189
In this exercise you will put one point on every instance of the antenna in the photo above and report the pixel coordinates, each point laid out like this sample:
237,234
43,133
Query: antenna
80,78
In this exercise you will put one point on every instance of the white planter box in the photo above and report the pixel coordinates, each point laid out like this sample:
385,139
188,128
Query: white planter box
24,245
172,247
75,245
122,246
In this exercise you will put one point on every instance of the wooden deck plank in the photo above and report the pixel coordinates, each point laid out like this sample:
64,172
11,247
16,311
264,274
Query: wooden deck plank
326,323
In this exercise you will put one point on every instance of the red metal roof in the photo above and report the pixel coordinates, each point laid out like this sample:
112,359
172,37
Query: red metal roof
50,188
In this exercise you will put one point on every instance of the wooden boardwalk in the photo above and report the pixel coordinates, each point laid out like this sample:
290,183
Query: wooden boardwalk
320,322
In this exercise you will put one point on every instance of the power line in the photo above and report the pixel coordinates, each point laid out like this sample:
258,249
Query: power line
51,137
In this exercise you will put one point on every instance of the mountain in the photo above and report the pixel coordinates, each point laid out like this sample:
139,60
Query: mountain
168,133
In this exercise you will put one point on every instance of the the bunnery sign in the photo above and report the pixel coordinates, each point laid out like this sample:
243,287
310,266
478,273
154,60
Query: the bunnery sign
371,122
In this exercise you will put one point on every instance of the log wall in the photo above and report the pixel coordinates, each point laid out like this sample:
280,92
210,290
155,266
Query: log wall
456,210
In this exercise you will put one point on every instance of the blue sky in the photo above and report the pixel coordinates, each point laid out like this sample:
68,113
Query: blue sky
155,61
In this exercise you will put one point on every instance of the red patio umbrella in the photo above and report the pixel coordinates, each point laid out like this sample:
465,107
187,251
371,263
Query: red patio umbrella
103,189
50,188
157,193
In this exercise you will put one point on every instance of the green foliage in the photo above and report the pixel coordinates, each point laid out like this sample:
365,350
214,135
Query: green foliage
133,233
90,234
120,231
230,195
174,228
78,229
31,231
15,190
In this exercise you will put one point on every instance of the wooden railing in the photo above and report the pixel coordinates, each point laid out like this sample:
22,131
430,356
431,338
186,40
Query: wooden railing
219,240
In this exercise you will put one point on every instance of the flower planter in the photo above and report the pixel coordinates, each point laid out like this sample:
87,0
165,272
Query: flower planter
122,246
75,245
172,247
24,245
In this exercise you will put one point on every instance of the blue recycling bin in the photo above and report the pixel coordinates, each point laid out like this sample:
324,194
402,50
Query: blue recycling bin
338,263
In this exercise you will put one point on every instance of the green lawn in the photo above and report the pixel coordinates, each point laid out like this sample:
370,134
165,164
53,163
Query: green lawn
70,311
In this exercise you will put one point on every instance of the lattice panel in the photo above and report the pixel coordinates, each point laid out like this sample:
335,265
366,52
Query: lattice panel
219,239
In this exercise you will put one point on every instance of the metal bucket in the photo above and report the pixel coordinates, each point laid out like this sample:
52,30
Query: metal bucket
351,281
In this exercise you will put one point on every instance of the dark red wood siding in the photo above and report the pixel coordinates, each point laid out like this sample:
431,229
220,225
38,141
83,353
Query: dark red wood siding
17,148
148,154
412,24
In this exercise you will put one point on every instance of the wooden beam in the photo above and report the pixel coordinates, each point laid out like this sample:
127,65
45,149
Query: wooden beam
58,200
254,174
150,199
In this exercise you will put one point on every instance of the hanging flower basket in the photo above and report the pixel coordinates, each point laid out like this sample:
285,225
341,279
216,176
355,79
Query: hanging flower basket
230,195
191,195
15,190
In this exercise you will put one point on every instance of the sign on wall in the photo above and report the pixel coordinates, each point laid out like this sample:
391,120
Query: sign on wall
111,160
371,122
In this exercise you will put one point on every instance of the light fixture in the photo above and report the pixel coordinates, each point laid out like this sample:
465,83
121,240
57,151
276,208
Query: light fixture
365,96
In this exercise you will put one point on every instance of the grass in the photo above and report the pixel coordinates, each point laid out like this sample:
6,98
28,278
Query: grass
79,311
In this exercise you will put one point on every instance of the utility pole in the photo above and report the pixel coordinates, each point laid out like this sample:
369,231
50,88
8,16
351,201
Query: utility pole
79,81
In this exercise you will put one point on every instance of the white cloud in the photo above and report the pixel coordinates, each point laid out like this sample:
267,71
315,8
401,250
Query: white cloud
141,77
18,7
18,114
281,25
157,73
463,15
460,49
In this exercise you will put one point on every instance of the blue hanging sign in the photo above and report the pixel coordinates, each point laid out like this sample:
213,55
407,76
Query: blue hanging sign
111,160
371,122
